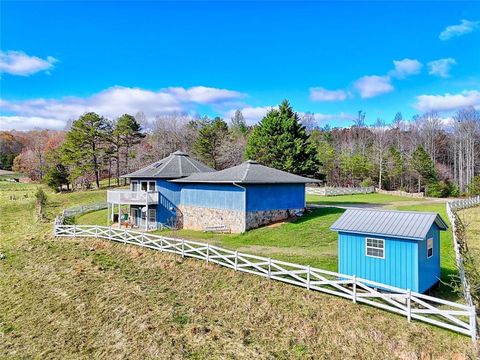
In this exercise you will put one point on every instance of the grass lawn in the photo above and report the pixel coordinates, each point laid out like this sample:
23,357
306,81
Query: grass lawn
471,219
357,199
66,298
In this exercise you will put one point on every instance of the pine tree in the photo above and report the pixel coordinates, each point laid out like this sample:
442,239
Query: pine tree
423,165
129,132
208,143
83,144
281,141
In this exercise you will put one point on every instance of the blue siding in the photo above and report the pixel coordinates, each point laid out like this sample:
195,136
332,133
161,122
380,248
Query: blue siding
169,199
275,197
398,268
217,196
429,268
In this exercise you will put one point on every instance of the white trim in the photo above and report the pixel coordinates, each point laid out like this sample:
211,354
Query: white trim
382,241
429,239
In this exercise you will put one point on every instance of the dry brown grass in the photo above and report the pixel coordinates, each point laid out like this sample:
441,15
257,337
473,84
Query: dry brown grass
85,298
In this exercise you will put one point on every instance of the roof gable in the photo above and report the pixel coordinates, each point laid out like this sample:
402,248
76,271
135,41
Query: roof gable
401,224
176,165
249,172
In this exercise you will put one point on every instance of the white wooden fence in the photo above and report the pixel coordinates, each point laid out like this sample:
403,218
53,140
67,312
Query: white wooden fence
446,314
452,208
79,210
328,191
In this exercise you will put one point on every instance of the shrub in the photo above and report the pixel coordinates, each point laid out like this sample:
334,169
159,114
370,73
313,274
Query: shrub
41,201
440,189
367,182
474,187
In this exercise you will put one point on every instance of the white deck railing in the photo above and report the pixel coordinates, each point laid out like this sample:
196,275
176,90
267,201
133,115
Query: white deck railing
132,197
446,314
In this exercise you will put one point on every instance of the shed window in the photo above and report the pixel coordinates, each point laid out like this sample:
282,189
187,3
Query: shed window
375,248
429,247
152,215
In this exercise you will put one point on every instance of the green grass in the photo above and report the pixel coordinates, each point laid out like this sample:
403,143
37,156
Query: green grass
307,240
471,220
65,298
357,199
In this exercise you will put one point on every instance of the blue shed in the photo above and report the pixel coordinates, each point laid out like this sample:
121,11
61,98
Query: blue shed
397,248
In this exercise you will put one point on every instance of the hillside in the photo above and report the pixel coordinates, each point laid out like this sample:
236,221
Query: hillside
83,298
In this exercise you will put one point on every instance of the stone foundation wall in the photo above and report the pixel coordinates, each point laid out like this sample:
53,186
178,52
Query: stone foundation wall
201,218
259,218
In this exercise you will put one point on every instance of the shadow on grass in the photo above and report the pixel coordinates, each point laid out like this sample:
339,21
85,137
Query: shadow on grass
313,214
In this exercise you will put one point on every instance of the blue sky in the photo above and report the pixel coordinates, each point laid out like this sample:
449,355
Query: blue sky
60,59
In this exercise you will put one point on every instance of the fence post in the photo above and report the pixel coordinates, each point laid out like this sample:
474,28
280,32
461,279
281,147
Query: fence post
354,299
96,231
236,260
308,277
208,253
125,236
74,230
409,305
183,248
269,267
142,240
473,325
110,232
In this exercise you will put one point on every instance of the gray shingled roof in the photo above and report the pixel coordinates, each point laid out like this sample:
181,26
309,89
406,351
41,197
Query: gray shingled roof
174,166
249,172
401,224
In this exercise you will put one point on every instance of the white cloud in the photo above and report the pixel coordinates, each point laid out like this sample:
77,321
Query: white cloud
252,114
441,67
405,67
463,28
21,123
19,63
448,102
116,101
322,94
373,85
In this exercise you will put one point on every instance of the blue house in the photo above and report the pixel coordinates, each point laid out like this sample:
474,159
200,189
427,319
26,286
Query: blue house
397,248
181,192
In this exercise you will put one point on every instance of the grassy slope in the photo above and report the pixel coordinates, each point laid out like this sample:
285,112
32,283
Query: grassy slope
358,199
85,298
471,219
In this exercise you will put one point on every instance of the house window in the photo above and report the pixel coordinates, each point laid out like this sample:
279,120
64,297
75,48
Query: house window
152,215
151,186
429,247
144,185
134,186
375,248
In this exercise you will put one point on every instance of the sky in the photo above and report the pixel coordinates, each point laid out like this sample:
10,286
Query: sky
59,60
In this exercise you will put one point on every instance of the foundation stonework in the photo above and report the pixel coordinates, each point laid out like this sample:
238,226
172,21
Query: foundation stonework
201,218
259,218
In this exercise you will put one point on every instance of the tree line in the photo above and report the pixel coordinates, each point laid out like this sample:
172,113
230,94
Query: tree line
425,153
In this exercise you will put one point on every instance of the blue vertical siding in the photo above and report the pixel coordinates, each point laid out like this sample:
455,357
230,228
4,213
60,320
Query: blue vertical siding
429,268
275,197
216,196
169,199
399,267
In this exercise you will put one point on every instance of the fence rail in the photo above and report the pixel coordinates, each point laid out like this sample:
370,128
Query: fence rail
328,191
79,210
458,240
446,314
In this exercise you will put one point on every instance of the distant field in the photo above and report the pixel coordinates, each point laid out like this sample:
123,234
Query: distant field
357,199
87,298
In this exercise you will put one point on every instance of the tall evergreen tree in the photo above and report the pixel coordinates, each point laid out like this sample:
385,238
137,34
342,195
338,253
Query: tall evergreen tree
84,143
238,125
129,132
208,143
423,165
281,141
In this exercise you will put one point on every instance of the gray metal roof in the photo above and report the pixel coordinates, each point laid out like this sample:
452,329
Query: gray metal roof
401,224
249,172
174,166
